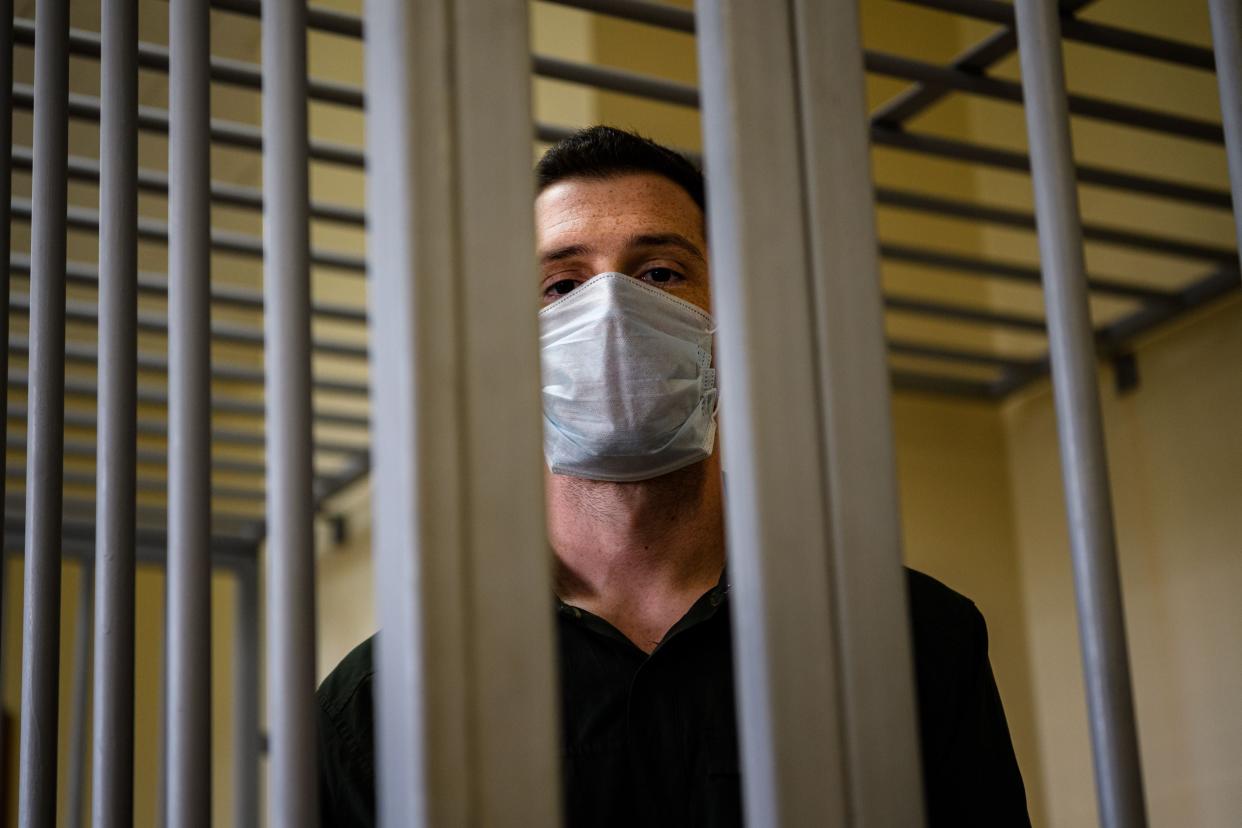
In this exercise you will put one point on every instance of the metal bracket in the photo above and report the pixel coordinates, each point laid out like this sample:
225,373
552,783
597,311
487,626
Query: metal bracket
1125,372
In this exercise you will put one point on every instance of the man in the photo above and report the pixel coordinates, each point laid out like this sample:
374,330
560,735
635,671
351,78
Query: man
636,522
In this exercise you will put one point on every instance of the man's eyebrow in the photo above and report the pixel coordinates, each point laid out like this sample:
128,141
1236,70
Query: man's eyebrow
667,240
562,253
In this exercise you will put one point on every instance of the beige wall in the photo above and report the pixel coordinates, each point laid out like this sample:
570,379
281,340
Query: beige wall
957,525
1175,453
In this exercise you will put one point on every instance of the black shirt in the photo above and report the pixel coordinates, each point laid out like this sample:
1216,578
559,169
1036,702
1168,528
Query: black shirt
650,740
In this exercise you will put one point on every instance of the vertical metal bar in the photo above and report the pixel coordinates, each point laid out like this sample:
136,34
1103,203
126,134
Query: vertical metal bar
79,709
46,412
113,765
189,407
879,720
515,716
6,192
789,727
1227,43
461,577
287,343
1102,633
246,698
421,758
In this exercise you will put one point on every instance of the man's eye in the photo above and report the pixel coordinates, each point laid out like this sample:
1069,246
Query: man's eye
662,275
562,287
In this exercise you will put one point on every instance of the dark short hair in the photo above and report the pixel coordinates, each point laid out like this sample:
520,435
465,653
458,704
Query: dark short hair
600,152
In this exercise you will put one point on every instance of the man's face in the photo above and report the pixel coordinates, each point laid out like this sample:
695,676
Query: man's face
639,224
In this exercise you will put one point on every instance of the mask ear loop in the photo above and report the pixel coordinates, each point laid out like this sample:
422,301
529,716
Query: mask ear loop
709,369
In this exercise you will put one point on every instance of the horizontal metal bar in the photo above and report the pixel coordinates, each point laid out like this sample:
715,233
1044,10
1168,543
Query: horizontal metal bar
81,534
1012,160
81,218
156,284
219,404
617,80
636,11
155,57
317,17
882,135
1115,336
655,88
152,56
324,486
941,206
249,494
84,353
1006,90
935,384
358,470
219,436
146,554
661,15
903,347
223,193
85,312
84,509
1083,31
975,60
225,133
682,20
151,457
964,314
969,265
84,43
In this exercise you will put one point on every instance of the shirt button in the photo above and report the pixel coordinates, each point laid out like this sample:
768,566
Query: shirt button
715,599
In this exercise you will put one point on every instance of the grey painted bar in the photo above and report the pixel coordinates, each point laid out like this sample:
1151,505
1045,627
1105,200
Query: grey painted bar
875,659
45,434
790,707
290,583
112,767
1102,634
188,801
6,191
461,552
1227,42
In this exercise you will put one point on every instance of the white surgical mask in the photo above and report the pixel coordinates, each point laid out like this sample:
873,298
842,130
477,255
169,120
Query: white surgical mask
628,388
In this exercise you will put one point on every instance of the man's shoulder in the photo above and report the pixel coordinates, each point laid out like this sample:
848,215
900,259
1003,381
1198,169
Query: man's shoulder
351,678
949,636
931,602
346,740
947,628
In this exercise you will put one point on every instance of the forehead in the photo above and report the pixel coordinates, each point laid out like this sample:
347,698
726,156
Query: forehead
580,209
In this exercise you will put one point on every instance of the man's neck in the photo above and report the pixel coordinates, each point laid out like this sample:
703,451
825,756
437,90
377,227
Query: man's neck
638,554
